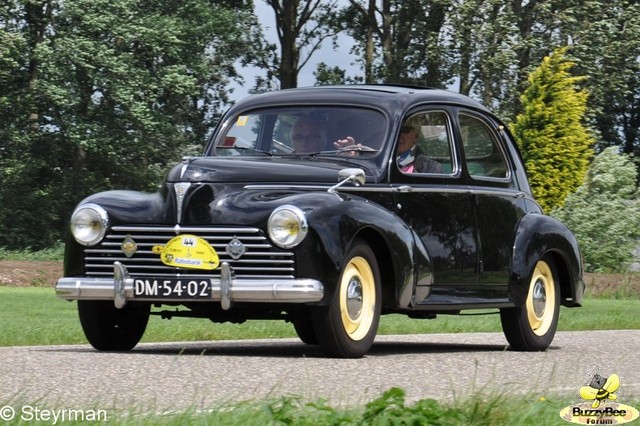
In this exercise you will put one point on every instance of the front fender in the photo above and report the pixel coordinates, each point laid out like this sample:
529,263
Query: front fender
336,220
134,207
122,207
538,235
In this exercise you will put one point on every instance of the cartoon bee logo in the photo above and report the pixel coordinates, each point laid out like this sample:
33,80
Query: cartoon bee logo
600,389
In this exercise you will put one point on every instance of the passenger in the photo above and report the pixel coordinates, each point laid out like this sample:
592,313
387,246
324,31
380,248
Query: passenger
410,158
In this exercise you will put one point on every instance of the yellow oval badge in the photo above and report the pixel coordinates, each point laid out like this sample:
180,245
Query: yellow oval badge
188,251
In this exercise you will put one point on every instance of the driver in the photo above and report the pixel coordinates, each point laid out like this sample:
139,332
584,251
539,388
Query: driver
308,136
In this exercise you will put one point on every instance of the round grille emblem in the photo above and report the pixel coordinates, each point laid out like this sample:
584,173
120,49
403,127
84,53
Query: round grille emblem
128,246
235,248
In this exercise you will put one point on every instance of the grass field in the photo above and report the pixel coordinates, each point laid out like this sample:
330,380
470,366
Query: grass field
34,316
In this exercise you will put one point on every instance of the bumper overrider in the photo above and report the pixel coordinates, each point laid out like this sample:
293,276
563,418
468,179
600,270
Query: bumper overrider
225,289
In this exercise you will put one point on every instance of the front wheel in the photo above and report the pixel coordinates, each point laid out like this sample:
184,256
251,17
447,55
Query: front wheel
532,327
347,327
110,329
304,330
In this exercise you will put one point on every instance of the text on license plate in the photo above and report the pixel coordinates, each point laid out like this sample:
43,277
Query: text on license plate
172,288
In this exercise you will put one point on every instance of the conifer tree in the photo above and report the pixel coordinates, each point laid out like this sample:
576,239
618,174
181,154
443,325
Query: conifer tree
555,143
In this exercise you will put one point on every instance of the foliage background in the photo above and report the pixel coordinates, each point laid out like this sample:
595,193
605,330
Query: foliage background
97,95
604,213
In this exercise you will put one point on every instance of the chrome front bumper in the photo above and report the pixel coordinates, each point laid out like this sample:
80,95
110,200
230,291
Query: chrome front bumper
225,289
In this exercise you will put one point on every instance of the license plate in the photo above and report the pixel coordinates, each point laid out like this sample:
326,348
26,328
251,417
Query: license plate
183,288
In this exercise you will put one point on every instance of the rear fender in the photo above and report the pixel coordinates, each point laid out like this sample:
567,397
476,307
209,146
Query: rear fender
537,236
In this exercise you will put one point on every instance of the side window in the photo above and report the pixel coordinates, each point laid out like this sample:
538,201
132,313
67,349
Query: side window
424,144
483,155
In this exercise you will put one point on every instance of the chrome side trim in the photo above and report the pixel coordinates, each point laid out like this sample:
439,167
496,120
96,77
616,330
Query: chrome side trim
414,188
292,186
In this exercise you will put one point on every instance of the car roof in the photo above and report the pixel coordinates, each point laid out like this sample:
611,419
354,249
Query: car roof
385,96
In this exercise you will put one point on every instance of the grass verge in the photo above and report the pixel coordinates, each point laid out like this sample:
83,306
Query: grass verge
34,316
53,253
391,408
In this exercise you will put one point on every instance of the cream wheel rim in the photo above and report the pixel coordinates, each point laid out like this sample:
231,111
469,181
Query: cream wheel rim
357,298
541,299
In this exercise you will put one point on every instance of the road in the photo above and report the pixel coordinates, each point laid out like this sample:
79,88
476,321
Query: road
204,375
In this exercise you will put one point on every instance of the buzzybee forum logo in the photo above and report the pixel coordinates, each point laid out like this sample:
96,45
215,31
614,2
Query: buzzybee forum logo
600,406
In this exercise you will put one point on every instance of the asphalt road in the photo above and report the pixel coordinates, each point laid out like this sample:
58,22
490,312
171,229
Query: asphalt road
204,375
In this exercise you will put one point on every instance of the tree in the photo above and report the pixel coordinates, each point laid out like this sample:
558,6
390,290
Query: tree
24,27
485,43
607,50
327,76
401,40
555,144
105,95
302,26
604,213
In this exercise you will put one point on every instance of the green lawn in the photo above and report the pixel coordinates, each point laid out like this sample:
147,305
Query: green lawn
34,316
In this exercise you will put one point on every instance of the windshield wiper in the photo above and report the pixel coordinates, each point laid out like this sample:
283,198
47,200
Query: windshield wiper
244,148
353,149
350,148
357,147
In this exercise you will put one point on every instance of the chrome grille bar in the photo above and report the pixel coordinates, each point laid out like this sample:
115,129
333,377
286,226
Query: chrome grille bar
261,259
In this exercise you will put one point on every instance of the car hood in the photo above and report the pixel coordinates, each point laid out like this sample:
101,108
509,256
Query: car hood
252,169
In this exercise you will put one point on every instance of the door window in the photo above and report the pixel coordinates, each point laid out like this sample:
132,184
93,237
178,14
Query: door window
424,144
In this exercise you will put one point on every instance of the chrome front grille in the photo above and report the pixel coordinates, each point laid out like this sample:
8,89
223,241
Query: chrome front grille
260,260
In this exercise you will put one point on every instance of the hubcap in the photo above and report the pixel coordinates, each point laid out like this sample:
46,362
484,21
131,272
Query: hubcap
354,298
539,298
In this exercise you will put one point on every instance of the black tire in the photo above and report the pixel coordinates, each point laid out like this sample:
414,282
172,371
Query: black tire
531,327
110,329
347,327
305,331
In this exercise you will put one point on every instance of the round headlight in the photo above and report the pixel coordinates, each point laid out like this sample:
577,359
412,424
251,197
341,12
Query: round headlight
89,223
287,226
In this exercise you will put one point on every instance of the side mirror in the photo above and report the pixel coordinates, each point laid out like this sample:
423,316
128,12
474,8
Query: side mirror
355,176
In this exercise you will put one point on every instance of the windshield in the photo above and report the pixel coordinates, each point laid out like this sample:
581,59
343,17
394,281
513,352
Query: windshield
304,131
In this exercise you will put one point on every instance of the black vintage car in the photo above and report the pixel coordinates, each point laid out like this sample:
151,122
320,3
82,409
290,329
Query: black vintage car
329,207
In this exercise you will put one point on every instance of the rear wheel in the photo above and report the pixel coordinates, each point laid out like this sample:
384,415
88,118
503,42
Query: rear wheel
110,329
532,327
347,327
